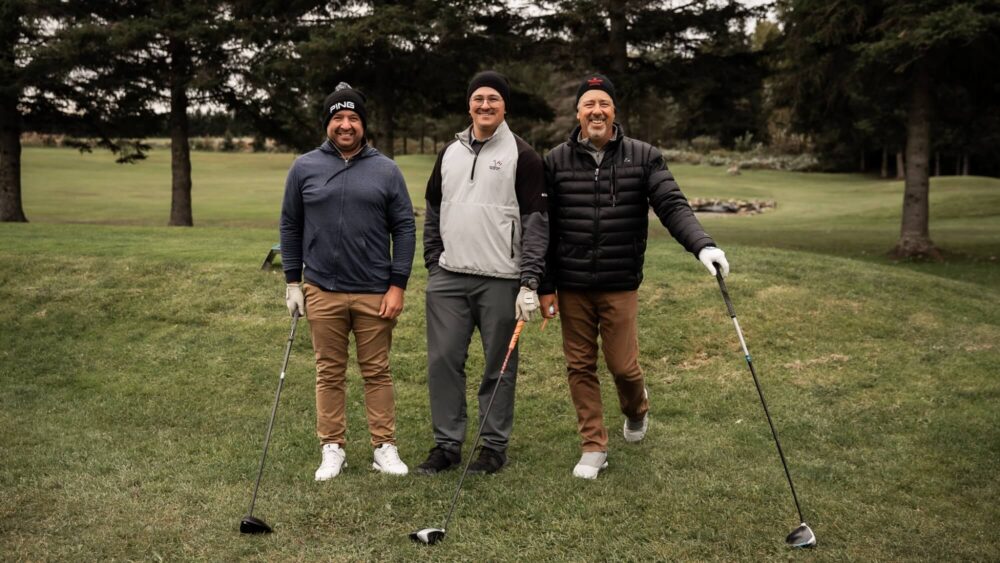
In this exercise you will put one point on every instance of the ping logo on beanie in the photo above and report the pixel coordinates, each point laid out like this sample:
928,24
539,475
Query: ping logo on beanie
344,97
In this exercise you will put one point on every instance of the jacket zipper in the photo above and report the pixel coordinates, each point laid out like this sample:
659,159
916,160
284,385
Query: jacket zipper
597,218
472,176
512,240
614,185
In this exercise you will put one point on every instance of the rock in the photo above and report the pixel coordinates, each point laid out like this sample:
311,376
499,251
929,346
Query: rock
738,206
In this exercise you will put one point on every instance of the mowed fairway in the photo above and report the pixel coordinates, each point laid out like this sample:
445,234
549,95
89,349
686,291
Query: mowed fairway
138,364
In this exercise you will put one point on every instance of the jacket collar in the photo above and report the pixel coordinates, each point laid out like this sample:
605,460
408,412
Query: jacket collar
465,135
619,134
366,150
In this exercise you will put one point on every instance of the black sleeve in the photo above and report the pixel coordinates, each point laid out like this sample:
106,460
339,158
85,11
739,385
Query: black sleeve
548,282
433,245
671,207
532,201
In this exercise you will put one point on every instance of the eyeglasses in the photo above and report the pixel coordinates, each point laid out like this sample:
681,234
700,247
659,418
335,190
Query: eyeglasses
490,100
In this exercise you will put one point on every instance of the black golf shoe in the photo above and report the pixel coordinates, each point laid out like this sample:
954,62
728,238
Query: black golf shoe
489,461
439,460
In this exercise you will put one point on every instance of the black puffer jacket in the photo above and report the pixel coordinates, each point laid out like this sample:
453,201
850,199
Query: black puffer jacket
599,215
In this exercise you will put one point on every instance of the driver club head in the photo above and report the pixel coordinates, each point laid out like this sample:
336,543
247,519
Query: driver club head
802,536
251,525
429,536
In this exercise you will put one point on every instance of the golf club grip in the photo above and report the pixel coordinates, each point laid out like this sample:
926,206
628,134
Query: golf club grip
513,344
517,334
288,345
725,292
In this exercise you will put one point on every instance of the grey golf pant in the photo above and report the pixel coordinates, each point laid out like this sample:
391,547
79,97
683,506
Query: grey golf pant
457,304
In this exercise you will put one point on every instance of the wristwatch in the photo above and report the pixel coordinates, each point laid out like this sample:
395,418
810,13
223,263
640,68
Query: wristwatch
530,283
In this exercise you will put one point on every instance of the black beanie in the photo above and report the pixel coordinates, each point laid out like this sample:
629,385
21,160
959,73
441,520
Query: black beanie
595,82
344,97
491,79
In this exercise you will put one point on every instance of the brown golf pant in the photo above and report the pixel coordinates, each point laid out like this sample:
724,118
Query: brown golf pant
332,317
613,315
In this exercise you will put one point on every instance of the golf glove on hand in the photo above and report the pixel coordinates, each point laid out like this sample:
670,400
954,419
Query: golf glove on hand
294,299
711,254
526,304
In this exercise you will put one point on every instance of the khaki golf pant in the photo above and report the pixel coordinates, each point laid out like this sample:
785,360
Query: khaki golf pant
332,317
613,315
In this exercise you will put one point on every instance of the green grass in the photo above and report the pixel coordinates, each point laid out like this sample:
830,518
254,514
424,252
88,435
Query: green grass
138,364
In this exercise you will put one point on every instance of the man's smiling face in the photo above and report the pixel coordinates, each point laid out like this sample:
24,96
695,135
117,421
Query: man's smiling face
487,108
596,114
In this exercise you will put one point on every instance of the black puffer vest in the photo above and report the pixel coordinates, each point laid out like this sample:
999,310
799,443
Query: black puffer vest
599,215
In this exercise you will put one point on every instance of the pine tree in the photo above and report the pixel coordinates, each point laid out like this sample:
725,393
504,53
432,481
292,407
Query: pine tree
888,55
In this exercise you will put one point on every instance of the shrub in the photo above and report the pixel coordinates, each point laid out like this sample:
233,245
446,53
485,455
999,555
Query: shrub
704,143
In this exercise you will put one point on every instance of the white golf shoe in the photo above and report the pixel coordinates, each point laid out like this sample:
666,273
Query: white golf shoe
636,431
334,459
387,461
590,464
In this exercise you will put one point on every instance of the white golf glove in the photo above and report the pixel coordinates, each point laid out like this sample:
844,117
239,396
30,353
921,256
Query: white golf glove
526,304
294,299
710,255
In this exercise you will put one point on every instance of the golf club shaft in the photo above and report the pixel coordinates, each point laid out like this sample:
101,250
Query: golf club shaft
760,392
482,422
274,409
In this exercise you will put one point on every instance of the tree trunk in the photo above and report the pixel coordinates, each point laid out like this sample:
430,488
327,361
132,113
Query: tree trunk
900,164
885,163
937,163
618,51
387,130
965,164
11,208
863,167
180,149
423,133
914,239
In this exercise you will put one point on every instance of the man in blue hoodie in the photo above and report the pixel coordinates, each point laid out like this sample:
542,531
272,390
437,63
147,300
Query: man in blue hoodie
347,244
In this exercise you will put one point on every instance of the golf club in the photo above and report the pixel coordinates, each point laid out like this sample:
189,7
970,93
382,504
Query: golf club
802,536
249,524
431,536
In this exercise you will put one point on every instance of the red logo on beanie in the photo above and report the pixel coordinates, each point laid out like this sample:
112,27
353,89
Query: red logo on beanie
594,82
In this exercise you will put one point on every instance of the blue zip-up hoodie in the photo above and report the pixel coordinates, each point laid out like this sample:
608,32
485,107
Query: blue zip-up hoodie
337,218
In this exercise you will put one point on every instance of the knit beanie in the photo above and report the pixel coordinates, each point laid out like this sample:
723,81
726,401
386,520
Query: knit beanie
491,79
344,97
595,82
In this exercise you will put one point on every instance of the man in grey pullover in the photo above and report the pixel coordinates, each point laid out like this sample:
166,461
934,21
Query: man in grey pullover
485,236
345,206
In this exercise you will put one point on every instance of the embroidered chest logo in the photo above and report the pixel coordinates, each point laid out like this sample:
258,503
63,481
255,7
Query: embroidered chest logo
495,165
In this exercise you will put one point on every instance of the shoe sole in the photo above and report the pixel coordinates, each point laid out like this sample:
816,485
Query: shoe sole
426,471
634,440
321,479
473,471
378,468
588,477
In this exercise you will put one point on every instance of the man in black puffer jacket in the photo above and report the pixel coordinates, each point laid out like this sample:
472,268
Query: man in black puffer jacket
601,186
